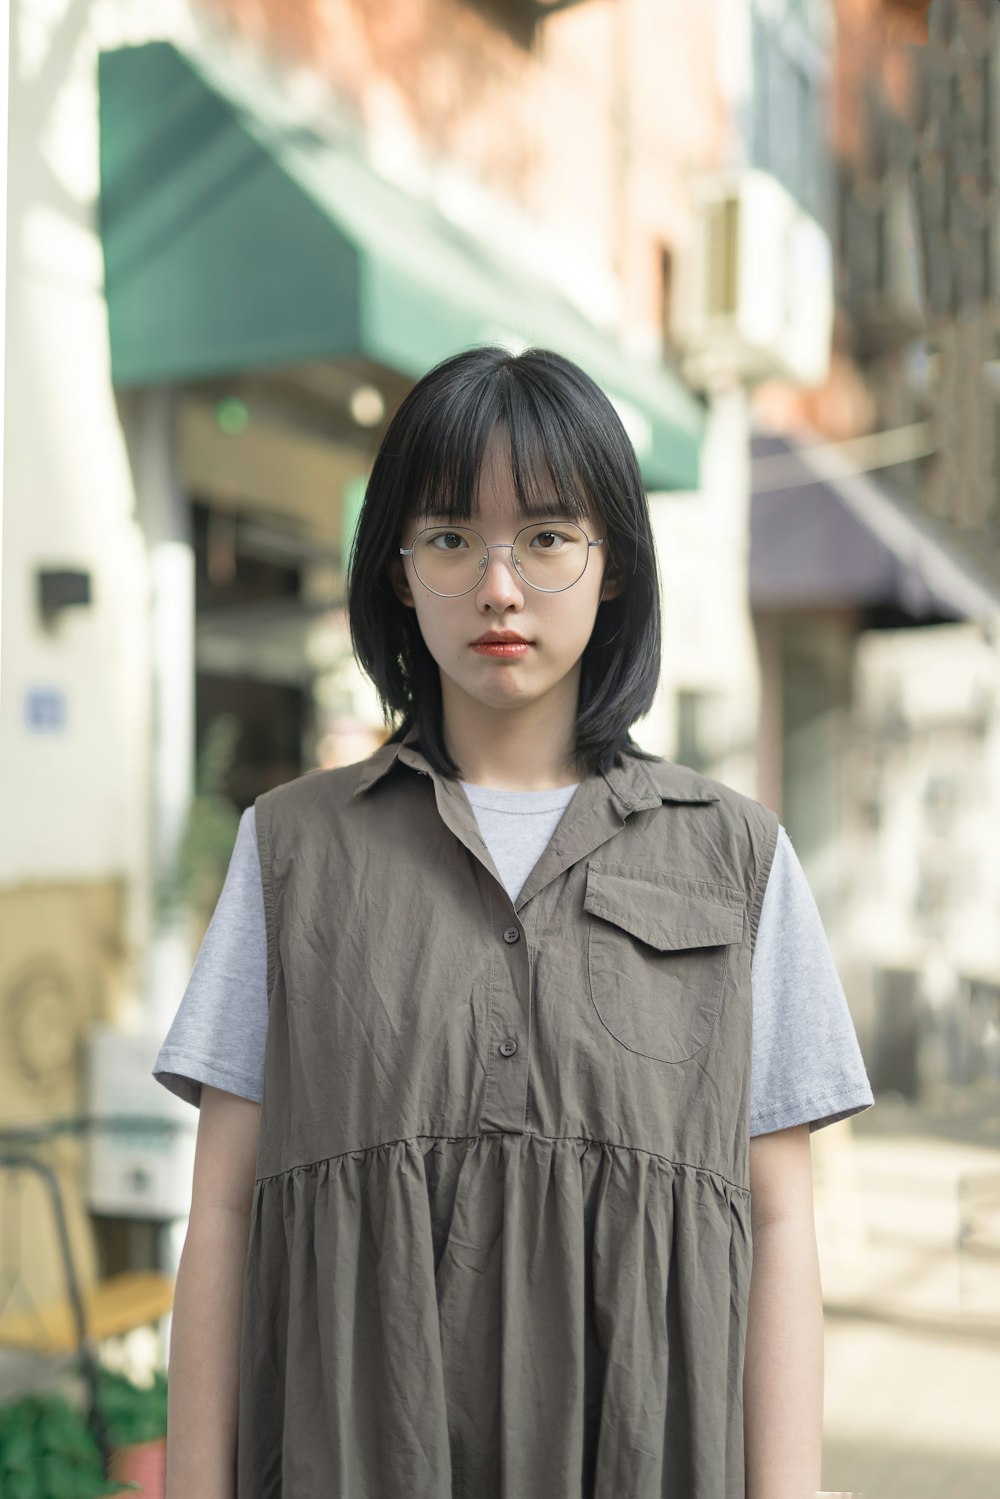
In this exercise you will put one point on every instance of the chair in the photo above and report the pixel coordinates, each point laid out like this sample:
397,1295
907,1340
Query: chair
67,1330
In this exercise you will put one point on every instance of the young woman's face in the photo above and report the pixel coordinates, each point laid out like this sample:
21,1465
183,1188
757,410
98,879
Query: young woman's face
555,626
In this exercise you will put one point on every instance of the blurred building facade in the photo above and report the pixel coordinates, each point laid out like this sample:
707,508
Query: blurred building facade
236,236
875,564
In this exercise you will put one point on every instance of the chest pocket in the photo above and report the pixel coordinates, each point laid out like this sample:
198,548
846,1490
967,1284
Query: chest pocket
658,948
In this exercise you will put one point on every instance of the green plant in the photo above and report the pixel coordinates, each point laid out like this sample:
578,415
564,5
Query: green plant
194,881
133,1413
48,1452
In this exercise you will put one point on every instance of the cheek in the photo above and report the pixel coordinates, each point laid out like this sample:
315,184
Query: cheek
437,622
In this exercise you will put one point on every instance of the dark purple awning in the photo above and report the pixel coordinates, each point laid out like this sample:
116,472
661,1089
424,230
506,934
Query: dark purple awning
838,539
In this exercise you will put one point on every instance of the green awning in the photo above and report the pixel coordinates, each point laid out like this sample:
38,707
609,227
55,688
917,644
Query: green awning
236,237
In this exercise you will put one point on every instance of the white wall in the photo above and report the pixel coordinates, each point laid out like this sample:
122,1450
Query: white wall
709,645
72,797
75,800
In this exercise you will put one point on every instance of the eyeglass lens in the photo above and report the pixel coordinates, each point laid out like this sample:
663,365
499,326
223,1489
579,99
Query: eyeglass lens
452,559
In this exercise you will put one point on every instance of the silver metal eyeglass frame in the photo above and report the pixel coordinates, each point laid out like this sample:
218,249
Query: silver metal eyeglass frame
492,547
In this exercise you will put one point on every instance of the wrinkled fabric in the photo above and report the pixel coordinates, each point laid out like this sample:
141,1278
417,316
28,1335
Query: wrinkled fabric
488,1271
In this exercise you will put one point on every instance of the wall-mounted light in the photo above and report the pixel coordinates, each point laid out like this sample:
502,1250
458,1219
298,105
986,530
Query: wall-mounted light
367,406
232,416
61,588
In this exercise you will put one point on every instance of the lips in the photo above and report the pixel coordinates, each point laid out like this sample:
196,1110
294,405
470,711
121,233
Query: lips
503,645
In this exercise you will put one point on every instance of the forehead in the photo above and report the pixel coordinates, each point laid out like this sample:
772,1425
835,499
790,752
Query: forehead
496,493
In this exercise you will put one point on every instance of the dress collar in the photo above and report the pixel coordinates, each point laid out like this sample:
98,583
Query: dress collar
636,784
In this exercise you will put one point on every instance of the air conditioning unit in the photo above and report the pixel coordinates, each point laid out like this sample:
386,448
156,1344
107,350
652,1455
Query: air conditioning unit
142,1138
753,291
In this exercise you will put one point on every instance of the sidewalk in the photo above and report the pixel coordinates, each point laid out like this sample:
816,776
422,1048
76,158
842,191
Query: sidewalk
909,1229
908,1225
910,1415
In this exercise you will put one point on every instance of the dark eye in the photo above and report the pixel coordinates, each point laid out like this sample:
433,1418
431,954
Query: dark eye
549,541
450,541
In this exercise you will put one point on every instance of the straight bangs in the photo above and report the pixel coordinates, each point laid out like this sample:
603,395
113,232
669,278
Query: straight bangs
505,423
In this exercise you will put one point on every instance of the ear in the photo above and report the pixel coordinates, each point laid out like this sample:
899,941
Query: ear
398,582
614,582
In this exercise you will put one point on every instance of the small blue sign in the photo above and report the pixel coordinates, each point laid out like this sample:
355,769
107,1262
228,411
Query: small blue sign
45,710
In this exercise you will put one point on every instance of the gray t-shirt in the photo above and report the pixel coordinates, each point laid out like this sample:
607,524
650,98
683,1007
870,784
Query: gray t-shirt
806,1064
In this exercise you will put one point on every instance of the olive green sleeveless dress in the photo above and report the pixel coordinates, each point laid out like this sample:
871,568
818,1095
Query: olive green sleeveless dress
500,1236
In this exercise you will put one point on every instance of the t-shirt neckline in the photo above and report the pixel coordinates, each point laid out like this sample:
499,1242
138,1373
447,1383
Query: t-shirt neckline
490,799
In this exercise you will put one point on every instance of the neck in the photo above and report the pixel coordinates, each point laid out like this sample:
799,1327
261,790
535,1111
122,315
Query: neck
512,749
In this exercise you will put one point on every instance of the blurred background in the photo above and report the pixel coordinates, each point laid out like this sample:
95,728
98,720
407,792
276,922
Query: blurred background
236,232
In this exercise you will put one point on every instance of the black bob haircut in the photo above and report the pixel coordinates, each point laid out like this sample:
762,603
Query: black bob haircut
567,447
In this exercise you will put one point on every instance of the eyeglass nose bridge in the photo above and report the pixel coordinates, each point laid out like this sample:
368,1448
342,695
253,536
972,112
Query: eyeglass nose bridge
484,562
492,546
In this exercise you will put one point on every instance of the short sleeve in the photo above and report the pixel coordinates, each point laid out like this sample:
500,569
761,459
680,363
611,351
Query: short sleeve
219,1032
806,1064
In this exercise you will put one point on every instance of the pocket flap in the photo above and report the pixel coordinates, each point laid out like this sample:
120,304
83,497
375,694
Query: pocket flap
675,913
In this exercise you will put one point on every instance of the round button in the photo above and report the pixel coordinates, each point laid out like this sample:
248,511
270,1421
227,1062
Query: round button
508,1047
512,934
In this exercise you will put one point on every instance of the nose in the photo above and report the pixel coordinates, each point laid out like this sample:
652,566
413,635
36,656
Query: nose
500,587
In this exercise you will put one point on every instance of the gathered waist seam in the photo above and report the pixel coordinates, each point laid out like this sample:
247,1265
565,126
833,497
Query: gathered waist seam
498,1134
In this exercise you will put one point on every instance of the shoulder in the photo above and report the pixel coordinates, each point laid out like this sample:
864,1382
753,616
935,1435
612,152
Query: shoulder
302,795
676,782
737,831
789,899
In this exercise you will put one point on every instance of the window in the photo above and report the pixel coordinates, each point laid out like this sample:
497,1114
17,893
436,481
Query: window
790,72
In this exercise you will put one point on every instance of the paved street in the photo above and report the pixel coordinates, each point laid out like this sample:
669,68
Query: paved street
910,1415
908,1216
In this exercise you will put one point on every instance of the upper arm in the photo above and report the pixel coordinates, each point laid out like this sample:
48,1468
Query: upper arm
780,1176
219,1033
806,1061
225,1163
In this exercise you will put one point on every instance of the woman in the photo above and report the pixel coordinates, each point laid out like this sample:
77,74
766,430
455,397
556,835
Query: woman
514,996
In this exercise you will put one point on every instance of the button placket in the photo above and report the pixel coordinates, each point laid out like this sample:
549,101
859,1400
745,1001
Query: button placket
504,1097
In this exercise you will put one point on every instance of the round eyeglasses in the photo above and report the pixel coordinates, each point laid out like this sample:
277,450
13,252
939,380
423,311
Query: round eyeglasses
549,555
